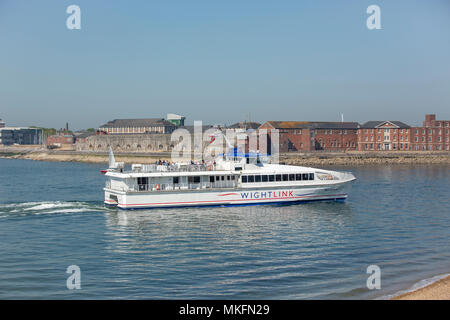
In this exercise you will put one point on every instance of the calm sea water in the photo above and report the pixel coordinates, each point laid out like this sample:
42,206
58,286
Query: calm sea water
52,216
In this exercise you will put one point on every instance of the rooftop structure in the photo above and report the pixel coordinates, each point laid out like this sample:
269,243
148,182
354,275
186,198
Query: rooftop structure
384,124
245,125
176,119
312,125
136,126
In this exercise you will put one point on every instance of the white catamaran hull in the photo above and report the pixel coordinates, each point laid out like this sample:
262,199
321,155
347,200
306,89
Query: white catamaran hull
224,197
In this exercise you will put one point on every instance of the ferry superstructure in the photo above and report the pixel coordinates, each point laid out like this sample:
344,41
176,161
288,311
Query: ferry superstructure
238,179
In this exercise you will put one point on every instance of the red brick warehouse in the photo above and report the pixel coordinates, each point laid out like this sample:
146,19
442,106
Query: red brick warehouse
384,135
434,135
302,136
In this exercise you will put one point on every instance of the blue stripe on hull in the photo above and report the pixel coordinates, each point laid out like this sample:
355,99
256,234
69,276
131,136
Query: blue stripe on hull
282,203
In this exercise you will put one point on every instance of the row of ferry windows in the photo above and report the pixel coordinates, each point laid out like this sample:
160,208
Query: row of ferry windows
278,177
196,179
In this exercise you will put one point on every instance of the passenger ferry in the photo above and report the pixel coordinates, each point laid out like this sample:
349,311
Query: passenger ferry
230,180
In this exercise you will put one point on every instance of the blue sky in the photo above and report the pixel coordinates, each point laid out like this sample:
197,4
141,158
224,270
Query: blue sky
219,61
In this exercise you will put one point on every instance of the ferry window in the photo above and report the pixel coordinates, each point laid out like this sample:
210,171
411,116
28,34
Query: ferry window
197,179
244,179
257,178
228,178
291,177
278,177
251,178
271,178
311,176
217,178
142,180
222,178
285,177
232,177
176,180
265,178
305,176
298,176
211,179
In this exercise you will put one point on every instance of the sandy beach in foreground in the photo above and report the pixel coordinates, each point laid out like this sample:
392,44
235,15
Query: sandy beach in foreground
439,290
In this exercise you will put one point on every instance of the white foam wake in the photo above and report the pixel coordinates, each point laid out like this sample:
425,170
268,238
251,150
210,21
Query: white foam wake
418,285
47,207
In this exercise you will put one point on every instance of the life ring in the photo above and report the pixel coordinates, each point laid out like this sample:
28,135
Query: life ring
156,186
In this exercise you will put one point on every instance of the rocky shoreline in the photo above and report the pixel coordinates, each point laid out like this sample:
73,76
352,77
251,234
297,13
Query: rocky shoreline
303,159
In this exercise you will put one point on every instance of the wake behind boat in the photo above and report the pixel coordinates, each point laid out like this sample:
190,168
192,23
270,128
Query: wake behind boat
231,179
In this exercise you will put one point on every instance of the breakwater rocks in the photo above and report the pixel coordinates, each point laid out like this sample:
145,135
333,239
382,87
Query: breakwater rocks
361,158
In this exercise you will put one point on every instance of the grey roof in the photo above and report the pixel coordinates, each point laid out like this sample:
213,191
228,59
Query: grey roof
124,123
245,125
313,125
376,124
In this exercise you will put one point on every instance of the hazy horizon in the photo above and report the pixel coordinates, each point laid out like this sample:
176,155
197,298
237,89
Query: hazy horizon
223,62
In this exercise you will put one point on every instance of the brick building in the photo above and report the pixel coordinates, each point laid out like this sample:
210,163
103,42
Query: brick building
60,139
434,135
384,135
302,136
